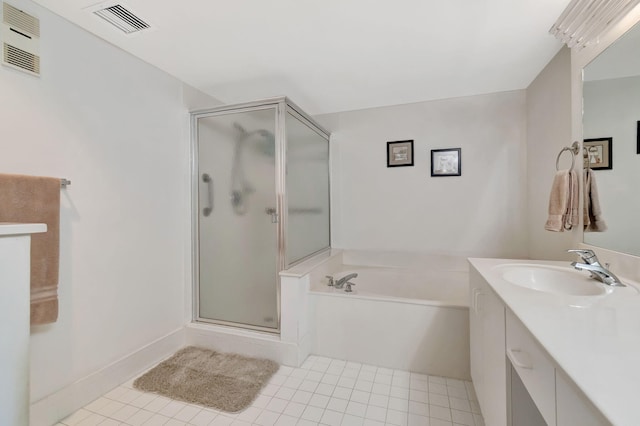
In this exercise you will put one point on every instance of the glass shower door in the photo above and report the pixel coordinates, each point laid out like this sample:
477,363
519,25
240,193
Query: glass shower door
307,189
237,218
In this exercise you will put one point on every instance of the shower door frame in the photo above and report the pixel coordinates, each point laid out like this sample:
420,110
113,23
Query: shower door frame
297,113
281,105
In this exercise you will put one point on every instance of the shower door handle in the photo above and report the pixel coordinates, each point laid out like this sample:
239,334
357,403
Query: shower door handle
206,178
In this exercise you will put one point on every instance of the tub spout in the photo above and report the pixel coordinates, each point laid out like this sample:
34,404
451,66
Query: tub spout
340,282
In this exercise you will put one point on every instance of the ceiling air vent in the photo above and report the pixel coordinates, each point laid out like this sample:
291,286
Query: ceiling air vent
123,19
20,40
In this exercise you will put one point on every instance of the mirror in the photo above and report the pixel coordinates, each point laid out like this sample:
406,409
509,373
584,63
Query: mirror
611,109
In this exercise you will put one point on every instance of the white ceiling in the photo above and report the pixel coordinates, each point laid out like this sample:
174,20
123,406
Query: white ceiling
337,55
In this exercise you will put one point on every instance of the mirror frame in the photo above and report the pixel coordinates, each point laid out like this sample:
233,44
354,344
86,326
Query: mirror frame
579,60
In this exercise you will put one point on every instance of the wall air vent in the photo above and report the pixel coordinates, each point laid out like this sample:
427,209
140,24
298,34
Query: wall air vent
20,20
11,55
20,40
122,19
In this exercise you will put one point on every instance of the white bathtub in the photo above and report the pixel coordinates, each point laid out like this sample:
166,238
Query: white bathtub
436,288
397,318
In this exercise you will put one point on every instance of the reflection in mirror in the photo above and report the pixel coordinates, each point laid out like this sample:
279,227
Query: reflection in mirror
612,110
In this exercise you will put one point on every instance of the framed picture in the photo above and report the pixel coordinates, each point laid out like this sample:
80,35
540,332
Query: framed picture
597,152
446,162
400,153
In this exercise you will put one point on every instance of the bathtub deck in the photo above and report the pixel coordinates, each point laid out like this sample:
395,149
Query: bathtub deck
323,391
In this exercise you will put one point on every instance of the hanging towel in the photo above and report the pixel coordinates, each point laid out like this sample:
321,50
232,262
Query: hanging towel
563,202
558,202
30,199
593,221
573,218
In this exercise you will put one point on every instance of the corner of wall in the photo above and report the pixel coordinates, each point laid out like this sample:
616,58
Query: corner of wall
549,128
195,99
52,408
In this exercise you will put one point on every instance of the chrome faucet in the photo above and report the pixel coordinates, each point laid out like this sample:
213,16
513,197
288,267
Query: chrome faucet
339,283
599,272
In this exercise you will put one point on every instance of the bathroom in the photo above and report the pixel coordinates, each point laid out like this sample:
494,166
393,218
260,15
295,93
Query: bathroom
119,129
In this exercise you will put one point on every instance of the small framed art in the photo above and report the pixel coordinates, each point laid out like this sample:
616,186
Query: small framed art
597,152
400,153
446,162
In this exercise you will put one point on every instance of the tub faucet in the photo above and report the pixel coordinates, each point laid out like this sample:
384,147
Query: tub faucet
592,264
339,283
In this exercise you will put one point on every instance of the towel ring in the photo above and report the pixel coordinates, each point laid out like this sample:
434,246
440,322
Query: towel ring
574,149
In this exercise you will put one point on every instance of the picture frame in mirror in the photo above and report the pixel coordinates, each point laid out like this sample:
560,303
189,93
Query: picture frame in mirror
597,153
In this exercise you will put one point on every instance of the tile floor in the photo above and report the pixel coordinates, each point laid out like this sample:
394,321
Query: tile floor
323,391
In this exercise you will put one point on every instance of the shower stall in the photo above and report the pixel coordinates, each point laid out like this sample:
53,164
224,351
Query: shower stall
261,204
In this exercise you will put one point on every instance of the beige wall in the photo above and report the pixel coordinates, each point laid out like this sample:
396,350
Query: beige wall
481,213
548,130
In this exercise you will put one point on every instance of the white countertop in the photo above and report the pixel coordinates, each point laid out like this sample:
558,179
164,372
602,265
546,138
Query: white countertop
21,228
595,340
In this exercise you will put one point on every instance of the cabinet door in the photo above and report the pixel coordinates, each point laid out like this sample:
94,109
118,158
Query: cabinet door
523,410
488,360
572,407
533,366
475,331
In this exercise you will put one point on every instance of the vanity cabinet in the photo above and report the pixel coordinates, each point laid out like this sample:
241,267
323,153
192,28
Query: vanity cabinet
488,361
556,398
533,366
15,244
516,380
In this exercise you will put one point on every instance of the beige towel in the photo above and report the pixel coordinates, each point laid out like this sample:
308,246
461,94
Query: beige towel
563,202
573,218
30,199
593,221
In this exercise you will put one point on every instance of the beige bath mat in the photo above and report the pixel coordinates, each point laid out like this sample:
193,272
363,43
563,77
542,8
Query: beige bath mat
227,382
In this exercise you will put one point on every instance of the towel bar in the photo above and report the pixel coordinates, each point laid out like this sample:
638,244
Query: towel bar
64,183
574,149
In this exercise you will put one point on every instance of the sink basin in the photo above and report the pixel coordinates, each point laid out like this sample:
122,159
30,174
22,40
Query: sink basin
552,279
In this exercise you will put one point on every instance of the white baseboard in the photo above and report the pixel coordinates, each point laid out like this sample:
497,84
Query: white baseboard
51,409
244,342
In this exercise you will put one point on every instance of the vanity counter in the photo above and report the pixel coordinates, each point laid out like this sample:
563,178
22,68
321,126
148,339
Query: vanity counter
7,228
595,340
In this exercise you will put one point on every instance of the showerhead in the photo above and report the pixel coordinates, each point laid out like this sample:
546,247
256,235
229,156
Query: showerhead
266,134
244,134
268,143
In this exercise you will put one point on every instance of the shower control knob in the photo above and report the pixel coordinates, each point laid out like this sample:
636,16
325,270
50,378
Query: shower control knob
272,212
